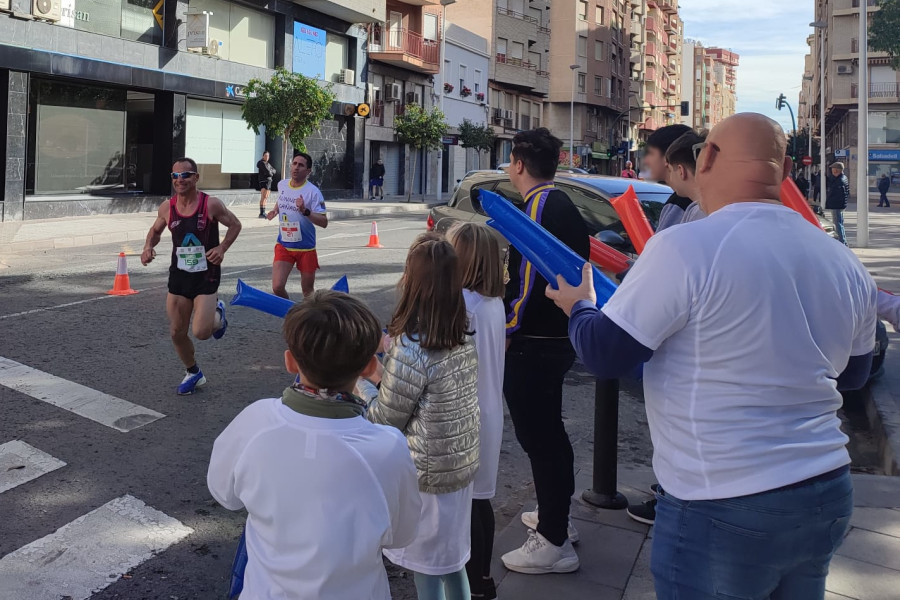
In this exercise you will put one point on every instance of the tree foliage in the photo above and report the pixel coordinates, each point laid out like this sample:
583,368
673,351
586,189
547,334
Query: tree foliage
479,137
289,105
420,129
803,145
884,30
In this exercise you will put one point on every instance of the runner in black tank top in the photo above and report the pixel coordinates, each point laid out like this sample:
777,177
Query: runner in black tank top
195,271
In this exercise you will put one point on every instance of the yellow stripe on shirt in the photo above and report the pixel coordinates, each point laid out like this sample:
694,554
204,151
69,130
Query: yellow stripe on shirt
532,214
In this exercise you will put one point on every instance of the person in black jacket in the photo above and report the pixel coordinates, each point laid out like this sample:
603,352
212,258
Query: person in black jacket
538,356
376,180
265,173
884,184
837,195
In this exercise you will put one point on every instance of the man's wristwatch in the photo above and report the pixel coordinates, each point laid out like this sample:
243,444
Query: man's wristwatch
307,212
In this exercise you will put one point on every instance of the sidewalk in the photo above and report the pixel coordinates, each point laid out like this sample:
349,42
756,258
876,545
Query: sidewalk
42,234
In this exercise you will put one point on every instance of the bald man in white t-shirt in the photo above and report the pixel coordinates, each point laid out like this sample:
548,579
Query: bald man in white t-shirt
765,321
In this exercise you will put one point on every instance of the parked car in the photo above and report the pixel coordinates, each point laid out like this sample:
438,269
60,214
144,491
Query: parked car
590,193
575,170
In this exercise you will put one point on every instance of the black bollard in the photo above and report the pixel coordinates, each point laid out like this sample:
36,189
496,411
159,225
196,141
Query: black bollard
603,492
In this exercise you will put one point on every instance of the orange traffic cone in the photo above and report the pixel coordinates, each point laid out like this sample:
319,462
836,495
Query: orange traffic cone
373,237
122,285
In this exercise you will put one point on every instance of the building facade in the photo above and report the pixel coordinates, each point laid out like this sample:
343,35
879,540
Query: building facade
518,36
841,89
710,86
663,32
103,95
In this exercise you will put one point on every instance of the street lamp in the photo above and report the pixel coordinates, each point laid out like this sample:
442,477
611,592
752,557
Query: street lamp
821,26
572,117
809,134
862,133
440,165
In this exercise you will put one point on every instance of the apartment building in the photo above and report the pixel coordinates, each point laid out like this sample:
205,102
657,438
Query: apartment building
663,32
709,86
518,36
597,91
102,95
841,89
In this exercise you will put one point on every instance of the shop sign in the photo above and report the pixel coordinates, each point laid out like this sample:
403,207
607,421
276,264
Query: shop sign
450,140
309,50
885,155
842,153
96,16
235,91
197,31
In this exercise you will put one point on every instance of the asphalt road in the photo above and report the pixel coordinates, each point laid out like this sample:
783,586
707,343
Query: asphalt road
55,317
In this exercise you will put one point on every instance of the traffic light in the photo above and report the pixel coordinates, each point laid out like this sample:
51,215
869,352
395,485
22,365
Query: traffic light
610,153
780,102
685,108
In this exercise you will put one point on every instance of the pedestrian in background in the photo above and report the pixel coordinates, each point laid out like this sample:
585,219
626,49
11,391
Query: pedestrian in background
265,175
756,490
628,172
429,391
376,180
884,184
481,268
837,195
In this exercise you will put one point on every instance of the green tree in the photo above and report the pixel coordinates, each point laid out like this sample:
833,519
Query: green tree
421,129
289,105
884,30
803,146
479,137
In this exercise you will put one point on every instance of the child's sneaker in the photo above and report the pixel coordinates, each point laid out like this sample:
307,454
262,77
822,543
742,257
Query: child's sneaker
191,382
220,306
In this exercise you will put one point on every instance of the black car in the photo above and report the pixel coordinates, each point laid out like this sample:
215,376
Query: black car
590,193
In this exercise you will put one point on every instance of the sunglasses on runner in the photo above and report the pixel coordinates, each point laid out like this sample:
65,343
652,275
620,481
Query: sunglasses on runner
184,175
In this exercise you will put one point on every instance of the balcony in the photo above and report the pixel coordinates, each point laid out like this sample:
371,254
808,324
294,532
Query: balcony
503,118
653,25
671,26
517,15
637,32
672,46
505,59
889,90
855,3
650,49
667,6
404,48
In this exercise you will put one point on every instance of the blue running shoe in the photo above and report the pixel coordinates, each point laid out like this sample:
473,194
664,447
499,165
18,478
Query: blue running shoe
190,383
220,306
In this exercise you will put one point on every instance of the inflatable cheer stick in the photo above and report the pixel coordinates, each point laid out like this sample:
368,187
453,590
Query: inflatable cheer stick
792,197
277,307
633,218
607,257
549,255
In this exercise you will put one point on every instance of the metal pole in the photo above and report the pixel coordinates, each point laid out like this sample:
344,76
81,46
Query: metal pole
862,133
822,166
603,492
572,122
809,154
440,152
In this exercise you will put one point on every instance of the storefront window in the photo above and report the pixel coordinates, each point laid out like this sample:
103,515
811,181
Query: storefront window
884,127
221,143
246,35
79,138
337,52
129,19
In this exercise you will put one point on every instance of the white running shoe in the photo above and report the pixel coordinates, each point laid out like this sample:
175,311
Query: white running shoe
538,556
531,522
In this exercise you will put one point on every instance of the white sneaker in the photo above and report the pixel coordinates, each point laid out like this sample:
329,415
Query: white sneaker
531,522
538,556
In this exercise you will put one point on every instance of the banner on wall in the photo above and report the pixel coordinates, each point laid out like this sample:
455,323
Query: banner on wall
309,50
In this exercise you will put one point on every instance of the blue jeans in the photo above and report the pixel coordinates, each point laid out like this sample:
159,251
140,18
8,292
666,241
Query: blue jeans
454,586
774,545
837,216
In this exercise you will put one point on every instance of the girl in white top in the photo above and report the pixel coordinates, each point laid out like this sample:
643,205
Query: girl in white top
481,268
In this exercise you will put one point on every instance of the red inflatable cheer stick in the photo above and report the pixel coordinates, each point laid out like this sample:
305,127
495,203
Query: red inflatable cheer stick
633,218
793,198
608,258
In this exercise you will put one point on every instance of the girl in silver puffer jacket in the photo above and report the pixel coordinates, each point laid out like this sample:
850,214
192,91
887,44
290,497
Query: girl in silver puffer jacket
429,392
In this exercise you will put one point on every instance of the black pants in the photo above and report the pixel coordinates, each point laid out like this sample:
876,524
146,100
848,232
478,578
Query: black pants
478,568
883,201
532,384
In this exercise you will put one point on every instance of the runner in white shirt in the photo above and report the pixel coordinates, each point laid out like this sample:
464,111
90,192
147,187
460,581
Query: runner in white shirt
765,320
300,208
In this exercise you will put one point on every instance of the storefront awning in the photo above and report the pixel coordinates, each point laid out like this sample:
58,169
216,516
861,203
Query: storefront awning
599,155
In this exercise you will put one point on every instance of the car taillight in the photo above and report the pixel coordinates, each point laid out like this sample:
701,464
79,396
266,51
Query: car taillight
430,223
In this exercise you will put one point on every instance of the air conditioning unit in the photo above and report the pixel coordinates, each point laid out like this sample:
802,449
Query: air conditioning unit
4,5
507,114
393,92
47,10
845,69
347,76
412,98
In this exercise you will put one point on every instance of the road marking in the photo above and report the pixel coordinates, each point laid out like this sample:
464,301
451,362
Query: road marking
90,553
74,397
149,289
20,463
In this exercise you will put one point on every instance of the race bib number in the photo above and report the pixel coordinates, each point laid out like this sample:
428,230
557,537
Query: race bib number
191,258
290,232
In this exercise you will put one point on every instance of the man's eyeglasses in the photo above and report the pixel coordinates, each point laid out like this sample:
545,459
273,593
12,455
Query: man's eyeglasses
183,175
697,148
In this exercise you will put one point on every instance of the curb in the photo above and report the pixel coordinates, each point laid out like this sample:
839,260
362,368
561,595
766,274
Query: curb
883,414
138,235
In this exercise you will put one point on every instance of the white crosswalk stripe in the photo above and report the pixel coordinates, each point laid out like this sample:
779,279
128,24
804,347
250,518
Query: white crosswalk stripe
90,553
21,462
74,397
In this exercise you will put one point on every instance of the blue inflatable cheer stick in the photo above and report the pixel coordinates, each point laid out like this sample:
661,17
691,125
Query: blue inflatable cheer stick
549,255
268,303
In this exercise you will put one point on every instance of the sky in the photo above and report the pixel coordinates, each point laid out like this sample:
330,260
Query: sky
770,37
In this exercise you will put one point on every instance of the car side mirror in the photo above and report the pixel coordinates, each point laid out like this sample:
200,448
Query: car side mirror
611,238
